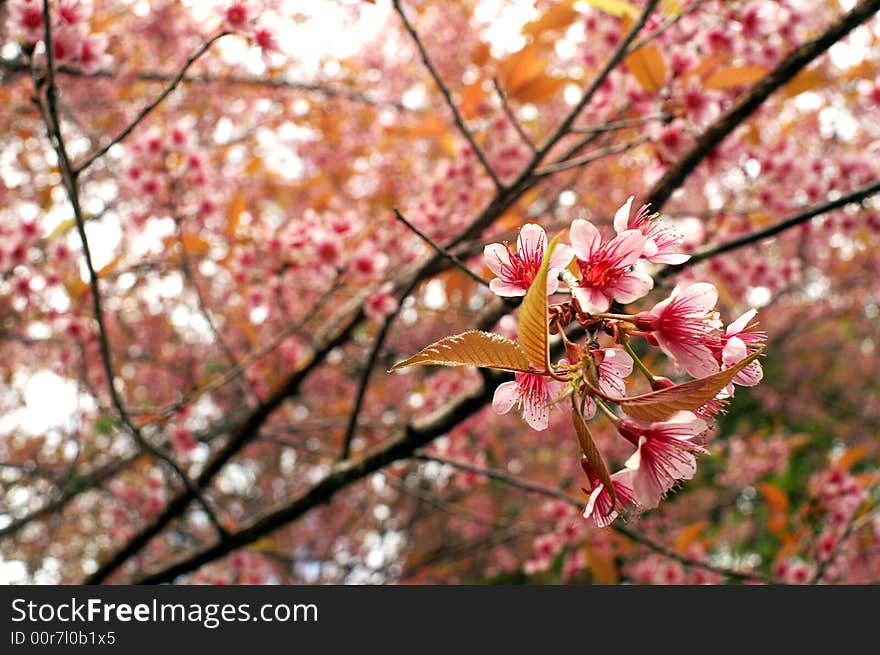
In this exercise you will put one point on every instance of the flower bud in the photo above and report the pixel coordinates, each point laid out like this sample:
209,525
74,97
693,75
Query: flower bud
660,382
631,430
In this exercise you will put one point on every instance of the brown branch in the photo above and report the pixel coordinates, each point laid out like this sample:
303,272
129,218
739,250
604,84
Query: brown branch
175,81
456,115
511,116
19,66
629,532
49,111
858,195
458,263
351,318
790,66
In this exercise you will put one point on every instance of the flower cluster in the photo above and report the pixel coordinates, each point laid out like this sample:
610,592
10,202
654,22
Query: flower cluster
685,325
73,41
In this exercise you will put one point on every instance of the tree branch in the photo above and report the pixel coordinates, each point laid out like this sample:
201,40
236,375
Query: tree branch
790,66
456,115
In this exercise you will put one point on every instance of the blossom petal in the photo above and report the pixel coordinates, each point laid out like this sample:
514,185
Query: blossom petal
621,218
532,243
506,289
742,322
497,257
630,287
506,395
585,239
561,257
734,351
536,413
667,258
591,299
626,248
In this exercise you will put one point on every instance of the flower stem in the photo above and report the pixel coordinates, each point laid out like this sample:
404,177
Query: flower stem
638,362
614,418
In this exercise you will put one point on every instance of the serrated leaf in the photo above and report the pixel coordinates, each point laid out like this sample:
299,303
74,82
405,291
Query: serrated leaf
734,76
688,396
593,455
472,348
618,8
532,328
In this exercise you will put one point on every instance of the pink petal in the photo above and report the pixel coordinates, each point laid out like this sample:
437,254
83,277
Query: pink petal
585,239
671,259
630,287
552,281
506,289
621,218
626,247
591,300
536,413
700,297
562,255
532,242
506,395
496,256
742,322
750,375
695,358
650,250
734,351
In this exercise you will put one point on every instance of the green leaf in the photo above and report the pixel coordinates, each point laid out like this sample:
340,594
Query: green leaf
533,316
472,348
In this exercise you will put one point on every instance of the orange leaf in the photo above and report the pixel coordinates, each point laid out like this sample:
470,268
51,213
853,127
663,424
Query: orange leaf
602,566
471,97
807,80
853,456
472,348
540,89
593,454
648,66
688,396
729,78
775,497
532,326
558,17
688,535
521,67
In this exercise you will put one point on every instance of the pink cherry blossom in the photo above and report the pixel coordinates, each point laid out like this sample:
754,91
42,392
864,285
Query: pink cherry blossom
515,271
533,393
664,455
599,506
683,326
615,365
380,303
739,340
661,241
606,270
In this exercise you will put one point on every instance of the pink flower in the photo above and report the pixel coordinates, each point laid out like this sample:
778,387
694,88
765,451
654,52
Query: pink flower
515,271
665,454
739,340
533,392
683,326
93,53
615,365
606,270
380,303
599,506
661,241
236,17
26,20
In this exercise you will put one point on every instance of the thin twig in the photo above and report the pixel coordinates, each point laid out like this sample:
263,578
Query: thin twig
459,121
858,195
511,116
629,532
589,158
175,81
441,250
49,111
